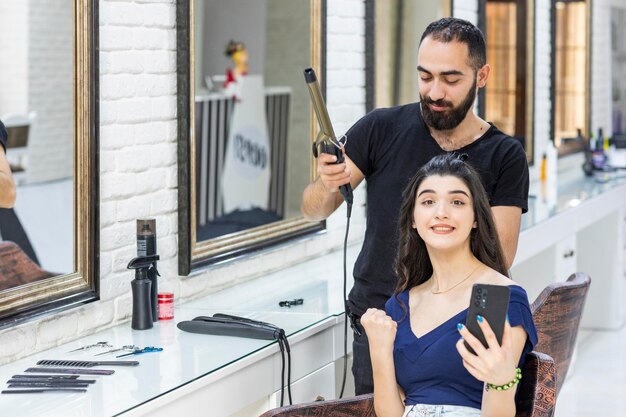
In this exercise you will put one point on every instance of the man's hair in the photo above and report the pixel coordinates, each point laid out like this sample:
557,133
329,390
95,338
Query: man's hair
450,29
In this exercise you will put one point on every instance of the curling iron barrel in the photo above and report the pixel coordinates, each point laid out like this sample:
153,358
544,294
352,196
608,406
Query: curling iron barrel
326,139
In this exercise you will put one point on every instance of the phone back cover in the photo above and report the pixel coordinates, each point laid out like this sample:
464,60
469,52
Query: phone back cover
491,302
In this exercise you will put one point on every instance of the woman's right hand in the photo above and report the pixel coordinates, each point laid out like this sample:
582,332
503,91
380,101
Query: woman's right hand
380,329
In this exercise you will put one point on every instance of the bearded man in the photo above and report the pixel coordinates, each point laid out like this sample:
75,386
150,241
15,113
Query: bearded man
387,147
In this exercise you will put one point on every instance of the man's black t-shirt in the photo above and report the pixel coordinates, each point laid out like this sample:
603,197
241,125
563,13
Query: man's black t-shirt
389,146
3,136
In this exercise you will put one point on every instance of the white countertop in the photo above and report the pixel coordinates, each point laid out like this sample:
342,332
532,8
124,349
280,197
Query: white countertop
187,356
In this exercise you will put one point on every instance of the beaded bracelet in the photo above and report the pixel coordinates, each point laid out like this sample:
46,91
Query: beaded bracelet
518,376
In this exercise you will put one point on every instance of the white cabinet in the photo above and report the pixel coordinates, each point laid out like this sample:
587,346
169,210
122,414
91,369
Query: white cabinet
319,385
565,258
589,238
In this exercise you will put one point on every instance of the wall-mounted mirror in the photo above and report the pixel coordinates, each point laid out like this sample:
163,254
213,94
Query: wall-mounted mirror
48,102
508,98
245,124
396,27
571,67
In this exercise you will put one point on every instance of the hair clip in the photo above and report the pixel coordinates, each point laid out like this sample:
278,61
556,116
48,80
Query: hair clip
126,347
99,344
294,302
139,351
461,156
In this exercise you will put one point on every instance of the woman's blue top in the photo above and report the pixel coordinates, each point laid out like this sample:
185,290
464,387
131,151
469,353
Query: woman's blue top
429,368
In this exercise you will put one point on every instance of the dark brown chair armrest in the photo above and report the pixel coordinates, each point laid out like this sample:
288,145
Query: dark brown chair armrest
360,406
537,393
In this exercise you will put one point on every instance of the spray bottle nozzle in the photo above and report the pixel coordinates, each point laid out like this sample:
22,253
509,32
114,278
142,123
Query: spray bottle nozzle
143,262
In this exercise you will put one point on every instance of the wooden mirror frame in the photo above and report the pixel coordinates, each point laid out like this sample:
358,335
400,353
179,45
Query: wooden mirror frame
193,255
81,286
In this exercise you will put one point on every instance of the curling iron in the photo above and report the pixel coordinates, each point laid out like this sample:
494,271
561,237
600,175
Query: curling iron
326,141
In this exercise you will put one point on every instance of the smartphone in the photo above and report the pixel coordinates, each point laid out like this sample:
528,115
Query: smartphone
491,302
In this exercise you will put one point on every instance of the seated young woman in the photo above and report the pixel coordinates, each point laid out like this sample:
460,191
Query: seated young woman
448,242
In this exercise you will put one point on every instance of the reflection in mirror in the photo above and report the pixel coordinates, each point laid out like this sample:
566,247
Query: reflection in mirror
47,239
250,123
398,28
618,69
570,54
36,107
508,95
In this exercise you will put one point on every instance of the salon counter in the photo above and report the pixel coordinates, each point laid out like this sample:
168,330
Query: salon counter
575,224
210,375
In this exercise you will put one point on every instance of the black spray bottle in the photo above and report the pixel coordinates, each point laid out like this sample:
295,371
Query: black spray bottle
142,286
146,246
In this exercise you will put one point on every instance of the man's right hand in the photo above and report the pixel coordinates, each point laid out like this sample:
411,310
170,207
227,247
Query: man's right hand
331,174
320,198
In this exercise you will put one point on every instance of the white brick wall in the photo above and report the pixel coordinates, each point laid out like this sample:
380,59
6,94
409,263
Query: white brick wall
601,100
466,9
542,100
138,166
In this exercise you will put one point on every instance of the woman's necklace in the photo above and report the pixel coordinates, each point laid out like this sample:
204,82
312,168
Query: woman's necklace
458,283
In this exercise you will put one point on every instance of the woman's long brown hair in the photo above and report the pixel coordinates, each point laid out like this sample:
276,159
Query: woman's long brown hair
413,266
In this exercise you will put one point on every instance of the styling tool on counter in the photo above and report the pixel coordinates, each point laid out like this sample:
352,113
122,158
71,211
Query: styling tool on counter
50,381
72,371
42,384
289,303
147,246
85,364
43,390
147,349
228,325
45,377
223,326
126,347
99,344
142,291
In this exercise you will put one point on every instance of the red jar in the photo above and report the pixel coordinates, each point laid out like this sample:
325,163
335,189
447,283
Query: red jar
166,306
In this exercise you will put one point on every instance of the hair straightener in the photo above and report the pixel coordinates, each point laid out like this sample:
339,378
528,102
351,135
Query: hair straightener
228,325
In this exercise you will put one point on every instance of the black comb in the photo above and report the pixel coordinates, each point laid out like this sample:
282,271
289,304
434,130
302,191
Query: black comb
85,364
71,371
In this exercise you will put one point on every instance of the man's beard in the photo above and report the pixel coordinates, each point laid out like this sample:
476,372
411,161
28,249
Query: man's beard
447,119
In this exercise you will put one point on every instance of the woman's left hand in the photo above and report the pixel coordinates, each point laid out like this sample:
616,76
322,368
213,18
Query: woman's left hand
495,364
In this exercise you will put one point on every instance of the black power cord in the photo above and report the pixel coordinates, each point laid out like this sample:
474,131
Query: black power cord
345,296
283,344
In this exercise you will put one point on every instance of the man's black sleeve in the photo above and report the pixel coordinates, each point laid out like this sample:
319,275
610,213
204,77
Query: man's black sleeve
3,136
513,178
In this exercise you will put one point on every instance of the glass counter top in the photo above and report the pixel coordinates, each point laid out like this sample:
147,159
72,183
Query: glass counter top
572,188
187,357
